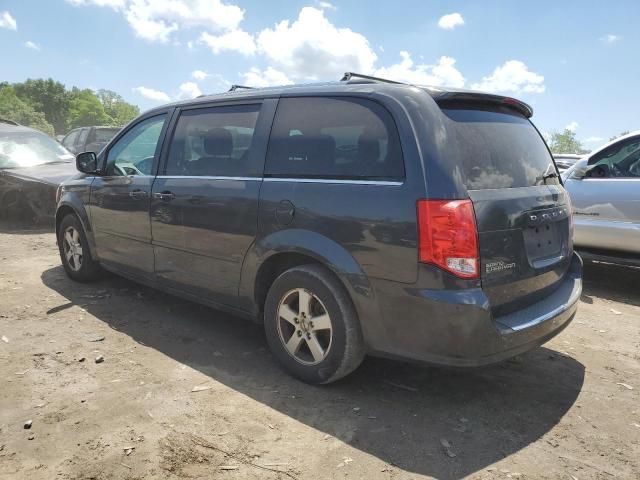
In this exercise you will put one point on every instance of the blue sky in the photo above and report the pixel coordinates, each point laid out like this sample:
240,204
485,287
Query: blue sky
576,62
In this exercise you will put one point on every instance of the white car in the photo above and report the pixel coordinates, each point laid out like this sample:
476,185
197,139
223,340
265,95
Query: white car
605,192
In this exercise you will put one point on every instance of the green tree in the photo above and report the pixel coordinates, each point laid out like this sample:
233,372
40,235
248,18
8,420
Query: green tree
86,110
621,134
12,108
566,142
117,108
49,97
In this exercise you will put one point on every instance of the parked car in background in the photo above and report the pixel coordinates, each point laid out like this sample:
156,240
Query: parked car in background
605,192
88,139
335,215
32,166
565,160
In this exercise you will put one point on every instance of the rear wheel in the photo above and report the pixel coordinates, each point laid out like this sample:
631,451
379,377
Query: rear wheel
74,251
311,325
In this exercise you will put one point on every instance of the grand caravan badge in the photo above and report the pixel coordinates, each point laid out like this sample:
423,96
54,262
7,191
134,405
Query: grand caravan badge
500,266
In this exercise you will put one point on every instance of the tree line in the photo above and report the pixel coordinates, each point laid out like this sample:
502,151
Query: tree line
49,106
567,142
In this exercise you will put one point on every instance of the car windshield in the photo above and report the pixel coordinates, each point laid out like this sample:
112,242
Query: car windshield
27,149
103,135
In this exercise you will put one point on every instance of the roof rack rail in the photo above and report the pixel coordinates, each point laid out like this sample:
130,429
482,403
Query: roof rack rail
349,75
238,87
10,122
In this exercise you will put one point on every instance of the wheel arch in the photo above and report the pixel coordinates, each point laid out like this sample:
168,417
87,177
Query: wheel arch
276,253
69,204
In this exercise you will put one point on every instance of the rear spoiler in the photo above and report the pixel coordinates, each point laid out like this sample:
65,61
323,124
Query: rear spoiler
452,98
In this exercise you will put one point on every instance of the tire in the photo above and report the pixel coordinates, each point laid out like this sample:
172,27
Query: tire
79,266
341,345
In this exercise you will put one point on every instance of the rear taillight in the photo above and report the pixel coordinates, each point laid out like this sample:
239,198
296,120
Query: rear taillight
448,237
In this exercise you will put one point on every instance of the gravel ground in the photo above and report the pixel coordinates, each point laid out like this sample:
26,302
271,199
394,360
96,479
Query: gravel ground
188,392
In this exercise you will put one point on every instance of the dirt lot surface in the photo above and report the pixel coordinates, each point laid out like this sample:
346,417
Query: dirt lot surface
188,392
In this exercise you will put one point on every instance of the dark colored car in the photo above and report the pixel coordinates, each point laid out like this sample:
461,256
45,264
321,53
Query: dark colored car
351,218
32,166
88,139
565,160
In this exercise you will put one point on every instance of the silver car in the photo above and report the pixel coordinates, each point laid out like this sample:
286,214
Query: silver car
605,192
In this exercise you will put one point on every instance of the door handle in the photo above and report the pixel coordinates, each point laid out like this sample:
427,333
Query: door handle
164,196
137,194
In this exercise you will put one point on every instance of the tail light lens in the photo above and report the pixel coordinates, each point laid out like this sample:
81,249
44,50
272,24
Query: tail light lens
448,237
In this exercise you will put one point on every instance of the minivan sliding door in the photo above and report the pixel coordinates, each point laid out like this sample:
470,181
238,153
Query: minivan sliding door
204,204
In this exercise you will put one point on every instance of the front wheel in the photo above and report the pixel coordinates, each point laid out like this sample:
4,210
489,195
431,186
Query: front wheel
74,251
311,325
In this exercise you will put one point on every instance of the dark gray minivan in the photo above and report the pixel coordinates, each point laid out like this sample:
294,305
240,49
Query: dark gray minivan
354,217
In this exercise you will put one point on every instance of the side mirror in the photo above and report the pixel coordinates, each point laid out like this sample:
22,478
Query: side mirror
87,162
579,173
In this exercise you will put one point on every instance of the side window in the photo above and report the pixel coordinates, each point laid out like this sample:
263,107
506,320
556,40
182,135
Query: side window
70,139
135,152
621,160
334,138
214,142
82,139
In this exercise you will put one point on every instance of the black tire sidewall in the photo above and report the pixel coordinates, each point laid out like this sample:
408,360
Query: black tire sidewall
324,289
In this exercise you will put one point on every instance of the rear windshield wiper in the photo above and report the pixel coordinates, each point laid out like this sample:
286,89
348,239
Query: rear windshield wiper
546,176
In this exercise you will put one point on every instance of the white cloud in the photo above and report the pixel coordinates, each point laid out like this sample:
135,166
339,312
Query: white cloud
152,94
99,3
443,73
610,38
189,90
235,41
512,76
265,78
312,47
199,74
32,45
572,127
327,5
156,20
450,21
593,139
7,21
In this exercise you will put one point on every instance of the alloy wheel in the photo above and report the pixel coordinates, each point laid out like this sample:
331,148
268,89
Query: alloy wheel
72,248
304,326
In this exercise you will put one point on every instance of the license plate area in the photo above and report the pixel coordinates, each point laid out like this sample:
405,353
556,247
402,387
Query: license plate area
543,241
545,233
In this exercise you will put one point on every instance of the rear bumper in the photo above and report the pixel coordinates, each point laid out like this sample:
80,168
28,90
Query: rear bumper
456,328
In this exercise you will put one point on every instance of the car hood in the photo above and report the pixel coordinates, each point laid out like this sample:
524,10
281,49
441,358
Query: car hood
53,174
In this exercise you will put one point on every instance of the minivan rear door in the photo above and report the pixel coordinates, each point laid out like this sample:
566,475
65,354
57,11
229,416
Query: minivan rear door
522,211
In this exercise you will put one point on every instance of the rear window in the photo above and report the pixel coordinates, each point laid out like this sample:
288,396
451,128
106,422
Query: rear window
498,150
334,138
103,135
214,142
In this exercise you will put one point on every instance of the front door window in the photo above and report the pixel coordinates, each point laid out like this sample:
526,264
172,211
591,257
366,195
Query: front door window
136,152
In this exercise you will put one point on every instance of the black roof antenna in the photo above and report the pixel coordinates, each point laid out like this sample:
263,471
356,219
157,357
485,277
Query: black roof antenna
349,75
238,87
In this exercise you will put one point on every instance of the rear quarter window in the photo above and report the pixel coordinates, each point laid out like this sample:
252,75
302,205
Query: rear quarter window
497,150
334,138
